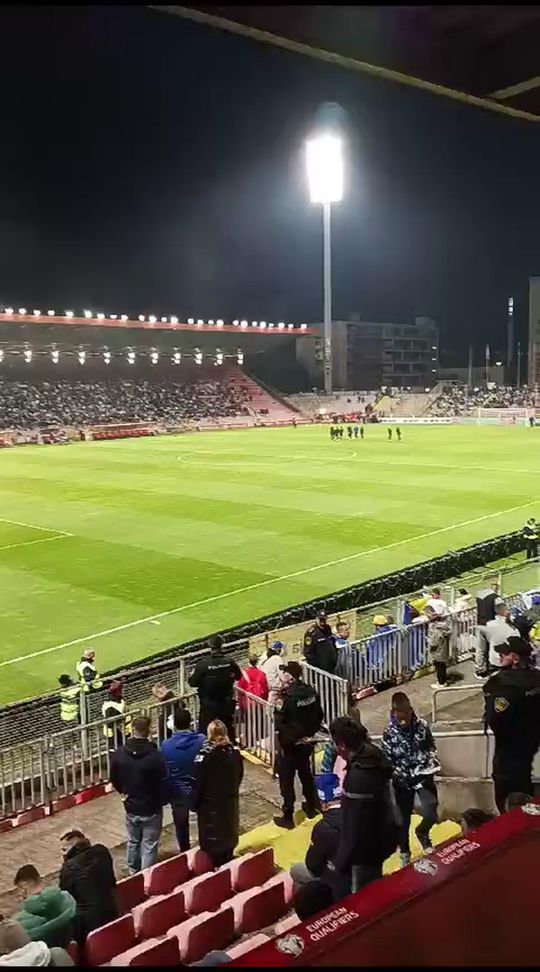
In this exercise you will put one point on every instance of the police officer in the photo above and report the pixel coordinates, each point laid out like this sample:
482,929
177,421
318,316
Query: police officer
530,535
69,700
297,722
86,670
320,646
114,706
512,711
214,679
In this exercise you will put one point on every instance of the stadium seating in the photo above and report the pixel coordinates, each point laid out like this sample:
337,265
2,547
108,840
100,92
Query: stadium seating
207,892
257,908
251,870
201,910
106,942
164,877
154,917
130,892
155,953
203,933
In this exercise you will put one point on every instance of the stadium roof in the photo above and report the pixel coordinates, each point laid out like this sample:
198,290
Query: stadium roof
483,55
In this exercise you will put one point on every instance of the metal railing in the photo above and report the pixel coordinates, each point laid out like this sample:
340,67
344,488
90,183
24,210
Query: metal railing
66,762
333,691
256,731
447,690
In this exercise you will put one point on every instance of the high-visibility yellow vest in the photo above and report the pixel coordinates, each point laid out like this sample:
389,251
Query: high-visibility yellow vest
69,703
109,710
88,675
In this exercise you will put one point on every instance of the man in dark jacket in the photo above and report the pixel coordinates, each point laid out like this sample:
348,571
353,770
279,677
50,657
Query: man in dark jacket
370,820
512,700
179,753
320,646
88,875
299,719
139,774
325,838
214,679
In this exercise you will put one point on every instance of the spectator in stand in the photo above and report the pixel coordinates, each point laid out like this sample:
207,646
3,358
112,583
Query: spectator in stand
438,603
47,914
369,817
88,875
298,721
512,700
464,601
486,603
530,535
380,647
497,632
218,773
17,950
254,680
311,899
320,646
325,838
113,707
473,819
162,694
271,666
139,774
214,679
179,753
438,638
346,656
409,745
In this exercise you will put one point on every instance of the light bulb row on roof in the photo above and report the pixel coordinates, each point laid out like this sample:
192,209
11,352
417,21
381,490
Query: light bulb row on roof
153,319
131,355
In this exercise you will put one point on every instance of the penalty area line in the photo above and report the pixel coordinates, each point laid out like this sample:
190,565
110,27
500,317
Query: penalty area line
267,583
28,543
33,526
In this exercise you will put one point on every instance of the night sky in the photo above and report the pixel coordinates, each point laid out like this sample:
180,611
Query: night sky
149,164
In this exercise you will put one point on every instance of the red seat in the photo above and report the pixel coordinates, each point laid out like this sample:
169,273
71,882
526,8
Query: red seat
155,916
103,943
154,953
256,909
286,880
252,870
130,892
203,933
208,892
162,878
250,943
199,861
73,951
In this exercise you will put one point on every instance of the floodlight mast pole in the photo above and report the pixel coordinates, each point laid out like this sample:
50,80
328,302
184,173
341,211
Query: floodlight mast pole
327,293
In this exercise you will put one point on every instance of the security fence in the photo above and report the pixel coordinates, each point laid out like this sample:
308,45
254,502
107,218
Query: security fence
256,730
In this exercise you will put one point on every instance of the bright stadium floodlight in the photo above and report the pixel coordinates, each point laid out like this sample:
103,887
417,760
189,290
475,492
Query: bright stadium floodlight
87,314
101,316
174,320
107,357
55,355
324,157
1,355
69,314
198,357
9,310
82,357
36,313
177,357
28,356
50,313
22,311
240,357
154,357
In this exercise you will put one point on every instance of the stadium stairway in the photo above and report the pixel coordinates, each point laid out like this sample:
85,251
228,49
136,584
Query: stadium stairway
260,399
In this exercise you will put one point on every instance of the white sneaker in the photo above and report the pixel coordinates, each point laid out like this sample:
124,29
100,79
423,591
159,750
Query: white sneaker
405,859
437,685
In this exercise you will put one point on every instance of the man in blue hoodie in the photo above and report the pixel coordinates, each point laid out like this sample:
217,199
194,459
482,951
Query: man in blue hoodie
179,753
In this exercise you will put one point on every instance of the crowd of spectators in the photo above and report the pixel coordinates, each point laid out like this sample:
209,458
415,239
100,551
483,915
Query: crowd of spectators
30,405
458,400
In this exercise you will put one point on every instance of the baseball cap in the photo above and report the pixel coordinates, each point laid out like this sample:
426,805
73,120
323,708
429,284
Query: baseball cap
293,668
516,646
322,615
380,619
278,646
89,653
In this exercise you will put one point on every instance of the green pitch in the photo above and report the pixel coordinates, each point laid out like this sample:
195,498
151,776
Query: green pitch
133,546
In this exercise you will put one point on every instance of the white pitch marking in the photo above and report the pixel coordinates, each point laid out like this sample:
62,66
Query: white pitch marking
266,583
28,543
32,526
190,456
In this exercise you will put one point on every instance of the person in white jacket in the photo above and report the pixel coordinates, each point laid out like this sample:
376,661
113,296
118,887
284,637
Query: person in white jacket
270,664
18,951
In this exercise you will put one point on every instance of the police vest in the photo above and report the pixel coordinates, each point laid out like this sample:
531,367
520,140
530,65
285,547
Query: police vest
69,703
109,710
88,676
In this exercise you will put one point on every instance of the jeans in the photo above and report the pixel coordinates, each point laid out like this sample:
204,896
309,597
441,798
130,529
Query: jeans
293,760
180,812
143,835
426,796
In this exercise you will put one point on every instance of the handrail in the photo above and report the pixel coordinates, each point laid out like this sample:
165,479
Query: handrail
448,689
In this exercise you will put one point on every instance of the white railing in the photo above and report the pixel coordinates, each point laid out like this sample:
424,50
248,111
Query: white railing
256,730
333,691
